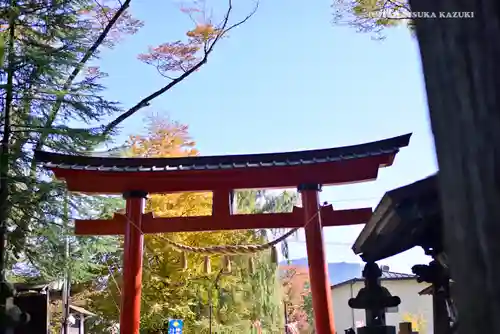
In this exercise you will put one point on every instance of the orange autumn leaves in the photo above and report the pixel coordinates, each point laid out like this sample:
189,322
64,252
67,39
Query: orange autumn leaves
172,56
183,56
101,13
164,139
167,139
203,32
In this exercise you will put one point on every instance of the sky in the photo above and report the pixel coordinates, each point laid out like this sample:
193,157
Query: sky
289,80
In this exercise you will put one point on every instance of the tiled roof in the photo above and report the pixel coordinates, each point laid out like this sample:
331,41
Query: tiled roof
393,275
113,164
386,275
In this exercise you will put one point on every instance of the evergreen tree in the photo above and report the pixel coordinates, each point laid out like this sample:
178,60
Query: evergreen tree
47,86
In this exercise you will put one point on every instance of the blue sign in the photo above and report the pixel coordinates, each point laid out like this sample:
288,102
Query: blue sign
175,326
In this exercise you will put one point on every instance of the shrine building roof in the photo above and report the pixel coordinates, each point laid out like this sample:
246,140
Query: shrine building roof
406,217
221,162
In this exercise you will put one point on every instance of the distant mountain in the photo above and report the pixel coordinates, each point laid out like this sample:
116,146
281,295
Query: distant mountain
338,272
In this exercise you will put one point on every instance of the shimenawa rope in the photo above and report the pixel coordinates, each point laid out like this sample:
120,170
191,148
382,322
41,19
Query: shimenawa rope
227,249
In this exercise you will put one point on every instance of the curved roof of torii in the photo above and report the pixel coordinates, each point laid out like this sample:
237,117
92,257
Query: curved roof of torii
228,171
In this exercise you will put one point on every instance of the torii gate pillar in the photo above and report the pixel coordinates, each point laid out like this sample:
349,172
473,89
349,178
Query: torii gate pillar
318,271
130,313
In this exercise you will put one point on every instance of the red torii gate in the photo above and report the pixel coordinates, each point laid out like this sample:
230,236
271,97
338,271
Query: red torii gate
307,170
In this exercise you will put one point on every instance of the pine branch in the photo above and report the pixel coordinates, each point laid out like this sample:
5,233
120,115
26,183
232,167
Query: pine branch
87,56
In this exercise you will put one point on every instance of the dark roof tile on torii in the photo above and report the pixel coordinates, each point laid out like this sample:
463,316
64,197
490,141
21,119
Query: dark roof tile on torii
56,160
69,166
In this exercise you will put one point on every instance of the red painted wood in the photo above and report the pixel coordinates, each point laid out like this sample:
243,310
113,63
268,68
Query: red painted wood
329,173
151,224
130,313
219,181
318,272
221,204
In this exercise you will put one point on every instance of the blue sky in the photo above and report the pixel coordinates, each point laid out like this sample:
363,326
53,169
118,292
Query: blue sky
289,80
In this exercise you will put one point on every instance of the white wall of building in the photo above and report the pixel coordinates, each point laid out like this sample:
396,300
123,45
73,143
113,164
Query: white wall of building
411,303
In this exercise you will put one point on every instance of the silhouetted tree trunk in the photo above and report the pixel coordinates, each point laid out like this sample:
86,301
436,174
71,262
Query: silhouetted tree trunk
461,63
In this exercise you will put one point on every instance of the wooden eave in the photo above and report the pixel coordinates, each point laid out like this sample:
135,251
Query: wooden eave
91,174
405,217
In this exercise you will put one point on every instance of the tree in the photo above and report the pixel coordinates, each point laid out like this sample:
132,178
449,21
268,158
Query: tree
85,253
460,64
172,291
372,16
260,201
268,295
49,79
308,306
45,47
293,293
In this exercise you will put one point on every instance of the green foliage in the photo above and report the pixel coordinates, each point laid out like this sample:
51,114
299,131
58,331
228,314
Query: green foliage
86,253
52,100
236,299
307,305
372,16
258,201
46,49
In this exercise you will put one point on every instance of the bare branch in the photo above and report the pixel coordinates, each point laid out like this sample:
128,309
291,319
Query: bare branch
254,10
145,102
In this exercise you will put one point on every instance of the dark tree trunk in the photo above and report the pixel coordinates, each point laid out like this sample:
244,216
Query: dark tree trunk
461,63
